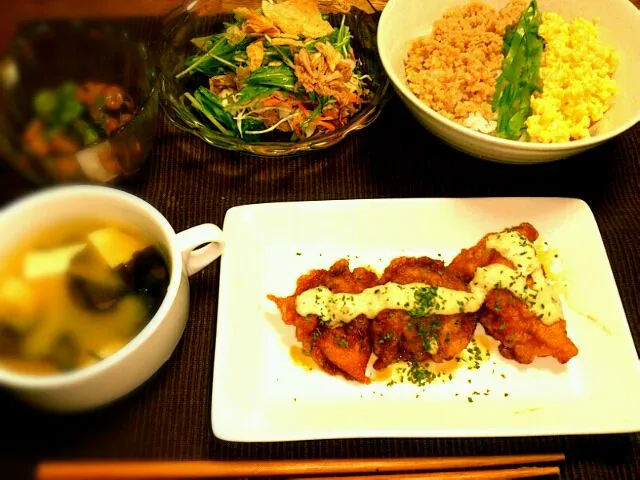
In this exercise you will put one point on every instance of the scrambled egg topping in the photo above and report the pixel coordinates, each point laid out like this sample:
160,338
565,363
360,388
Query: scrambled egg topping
576,73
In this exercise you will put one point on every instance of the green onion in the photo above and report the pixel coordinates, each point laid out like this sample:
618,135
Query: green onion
88,133
58,108
44,103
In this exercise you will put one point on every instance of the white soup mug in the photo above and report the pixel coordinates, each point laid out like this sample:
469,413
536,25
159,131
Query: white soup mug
186,253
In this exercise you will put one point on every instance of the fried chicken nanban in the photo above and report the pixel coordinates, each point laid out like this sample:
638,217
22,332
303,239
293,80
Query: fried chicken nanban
420,310
507,318
342,350
400,335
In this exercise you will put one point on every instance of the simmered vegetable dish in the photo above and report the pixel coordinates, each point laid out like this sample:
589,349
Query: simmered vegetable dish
73,116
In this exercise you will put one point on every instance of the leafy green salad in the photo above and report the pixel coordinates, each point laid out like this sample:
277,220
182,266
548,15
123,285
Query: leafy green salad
281,72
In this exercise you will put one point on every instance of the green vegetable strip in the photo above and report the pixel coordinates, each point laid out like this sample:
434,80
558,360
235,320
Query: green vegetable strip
520,75
208,104
342,41
322,102
215,60
281,77
283,56
251,93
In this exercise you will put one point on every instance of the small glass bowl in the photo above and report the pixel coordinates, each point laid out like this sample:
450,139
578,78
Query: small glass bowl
198,18
48,54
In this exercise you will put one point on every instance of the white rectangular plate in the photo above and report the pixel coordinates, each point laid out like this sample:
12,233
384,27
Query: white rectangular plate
261,394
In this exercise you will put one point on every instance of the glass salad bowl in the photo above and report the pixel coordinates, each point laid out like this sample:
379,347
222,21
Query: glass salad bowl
189,105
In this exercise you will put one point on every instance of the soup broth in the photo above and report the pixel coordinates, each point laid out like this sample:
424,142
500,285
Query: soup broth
76,293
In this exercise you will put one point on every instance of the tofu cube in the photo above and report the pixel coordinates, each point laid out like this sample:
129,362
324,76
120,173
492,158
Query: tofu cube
18,303
115,246
49,263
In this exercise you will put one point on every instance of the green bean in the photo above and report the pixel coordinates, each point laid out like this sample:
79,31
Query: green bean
520,75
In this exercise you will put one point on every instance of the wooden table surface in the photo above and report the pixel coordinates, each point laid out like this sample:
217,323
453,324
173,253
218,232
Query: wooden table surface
17,11
13,12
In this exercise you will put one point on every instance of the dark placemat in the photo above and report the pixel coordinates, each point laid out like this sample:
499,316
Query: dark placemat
191,182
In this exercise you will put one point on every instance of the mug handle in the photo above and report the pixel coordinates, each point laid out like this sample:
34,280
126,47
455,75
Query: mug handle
195,259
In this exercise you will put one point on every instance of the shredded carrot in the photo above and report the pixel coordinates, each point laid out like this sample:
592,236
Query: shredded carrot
329,126
330,114
271,101
301,106
353,98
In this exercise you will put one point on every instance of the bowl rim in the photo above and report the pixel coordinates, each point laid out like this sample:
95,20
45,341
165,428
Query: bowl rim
366,115
42,199
386,58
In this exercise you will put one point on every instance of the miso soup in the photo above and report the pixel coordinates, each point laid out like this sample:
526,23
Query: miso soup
76,293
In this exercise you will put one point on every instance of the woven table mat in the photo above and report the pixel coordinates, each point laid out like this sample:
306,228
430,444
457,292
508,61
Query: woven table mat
191,182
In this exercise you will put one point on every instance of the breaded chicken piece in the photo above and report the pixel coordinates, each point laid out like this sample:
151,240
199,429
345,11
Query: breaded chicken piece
522,335
465,264
343,350
397,335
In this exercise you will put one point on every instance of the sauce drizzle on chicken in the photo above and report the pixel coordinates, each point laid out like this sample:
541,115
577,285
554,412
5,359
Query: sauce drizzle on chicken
524,278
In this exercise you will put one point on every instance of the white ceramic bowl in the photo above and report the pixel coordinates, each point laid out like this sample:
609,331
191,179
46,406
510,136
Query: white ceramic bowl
402,21
133,364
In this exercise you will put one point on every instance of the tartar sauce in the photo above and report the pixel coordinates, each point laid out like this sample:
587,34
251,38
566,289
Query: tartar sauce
421,299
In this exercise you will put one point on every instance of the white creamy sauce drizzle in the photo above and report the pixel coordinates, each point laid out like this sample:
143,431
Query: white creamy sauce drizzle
422,300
